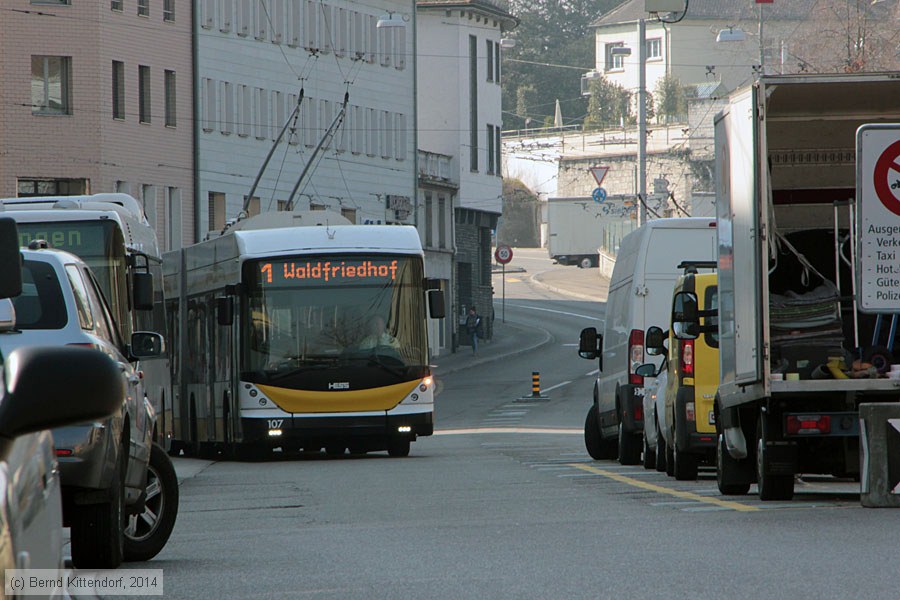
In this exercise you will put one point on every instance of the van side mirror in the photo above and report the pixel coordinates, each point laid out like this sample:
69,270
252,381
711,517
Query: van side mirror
685,316
224,310
646,370
436,307
10,259
142,291
653,341
590,344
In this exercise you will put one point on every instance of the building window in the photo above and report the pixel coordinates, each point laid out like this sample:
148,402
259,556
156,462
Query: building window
123,187
400,48
489,54
171,115
281,205
143,8
144,93
654,48
496,62
148,198
253,206
115,5
473,103
497,151
51,187
400,132
228,108
61,2
168,10
490,150
429,220
216,211
442,221
614,62
173,211
118,89
51,83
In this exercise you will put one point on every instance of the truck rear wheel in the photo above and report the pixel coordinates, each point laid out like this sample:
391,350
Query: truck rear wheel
729,478
771,487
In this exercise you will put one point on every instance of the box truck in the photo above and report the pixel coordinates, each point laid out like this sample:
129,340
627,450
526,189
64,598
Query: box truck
799,344
575,227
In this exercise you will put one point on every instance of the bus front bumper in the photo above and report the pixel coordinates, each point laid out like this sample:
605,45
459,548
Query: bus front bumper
311,431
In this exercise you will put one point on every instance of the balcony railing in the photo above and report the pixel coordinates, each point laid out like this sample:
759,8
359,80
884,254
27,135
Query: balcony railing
436,166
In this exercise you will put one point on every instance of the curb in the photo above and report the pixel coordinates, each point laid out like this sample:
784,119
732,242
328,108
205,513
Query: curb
545,339
562,291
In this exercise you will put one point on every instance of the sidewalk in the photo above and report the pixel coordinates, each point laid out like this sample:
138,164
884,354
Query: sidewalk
509,340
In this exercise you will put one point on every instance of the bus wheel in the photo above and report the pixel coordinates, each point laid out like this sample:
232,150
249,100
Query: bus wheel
398,447
147,533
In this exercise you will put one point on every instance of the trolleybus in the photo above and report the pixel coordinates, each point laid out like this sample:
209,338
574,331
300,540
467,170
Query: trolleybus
302,337
110,233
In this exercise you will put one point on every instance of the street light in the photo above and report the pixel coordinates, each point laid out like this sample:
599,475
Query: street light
736,34
641,116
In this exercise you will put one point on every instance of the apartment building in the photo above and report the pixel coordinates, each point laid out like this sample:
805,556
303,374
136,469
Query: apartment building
340,75
97,97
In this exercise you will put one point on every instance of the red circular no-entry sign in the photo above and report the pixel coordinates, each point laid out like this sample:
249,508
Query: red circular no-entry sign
888,162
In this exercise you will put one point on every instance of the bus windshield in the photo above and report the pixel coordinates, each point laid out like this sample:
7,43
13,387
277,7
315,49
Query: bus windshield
100,244
307,312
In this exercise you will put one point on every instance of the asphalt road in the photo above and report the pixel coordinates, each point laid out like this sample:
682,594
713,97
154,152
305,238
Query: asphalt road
504,502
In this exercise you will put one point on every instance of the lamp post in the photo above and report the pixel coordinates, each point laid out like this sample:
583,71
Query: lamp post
641,116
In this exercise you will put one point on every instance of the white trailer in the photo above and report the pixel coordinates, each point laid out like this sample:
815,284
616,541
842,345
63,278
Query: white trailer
794,345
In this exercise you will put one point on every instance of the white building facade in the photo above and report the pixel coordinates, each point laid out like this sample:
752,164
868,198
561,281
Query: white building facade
353,138
459,78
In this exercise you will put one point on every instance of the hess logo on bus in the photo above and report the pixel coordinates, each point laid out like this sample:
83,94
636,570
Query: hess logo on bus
339,385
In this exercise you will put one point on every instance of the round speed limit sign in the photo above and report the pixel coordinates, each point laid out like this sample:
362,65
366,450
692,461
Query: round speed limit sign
503,254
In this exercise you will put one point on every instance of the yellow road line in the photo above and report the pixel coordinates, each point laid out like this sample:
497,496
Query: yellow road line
664,490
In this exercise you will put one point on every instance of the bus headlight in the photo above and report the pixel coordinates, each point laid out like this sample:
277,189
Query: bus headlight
404,429
274,432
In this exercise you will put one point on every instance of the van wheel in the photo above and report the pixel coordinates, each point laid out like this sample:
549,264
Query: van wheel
728,476
629,447
685,468
586,263
660,451
670,461
147,533
597,447
97,529
649,455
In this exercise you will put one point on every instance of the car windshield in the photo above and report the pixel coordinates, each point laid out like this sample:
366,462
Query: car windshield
41,304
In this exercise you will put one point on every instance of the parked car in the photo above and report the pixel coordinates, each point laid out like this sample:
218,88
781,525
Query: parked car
640,295
111,471
40,388
654,417
688,424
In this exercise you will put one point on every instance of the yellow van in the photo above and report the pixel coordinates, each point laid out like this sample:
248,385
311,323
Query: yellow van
689,426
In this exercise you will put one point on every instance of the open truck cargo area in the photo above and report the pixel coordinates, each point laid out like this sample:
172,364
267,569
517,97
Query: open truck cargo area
797,353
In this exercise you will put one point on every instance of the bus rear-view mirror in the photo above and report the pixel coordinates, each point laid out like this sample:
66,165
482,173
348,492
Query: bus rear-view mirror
224,310
143,291
436,306
653,341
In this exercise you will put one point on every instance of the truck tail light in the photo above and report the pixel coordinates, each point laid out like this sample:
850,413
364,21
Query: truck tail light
635,356
687,358
808,424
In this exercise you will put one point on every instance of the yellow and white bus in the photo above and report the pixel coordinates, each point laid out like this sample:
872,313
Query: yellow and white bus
301,334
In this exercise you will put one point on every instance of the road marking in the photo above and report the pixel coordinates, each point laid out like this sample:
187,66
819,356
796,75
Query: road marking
594,372
558,312
479,430
664,490
558,385
570,345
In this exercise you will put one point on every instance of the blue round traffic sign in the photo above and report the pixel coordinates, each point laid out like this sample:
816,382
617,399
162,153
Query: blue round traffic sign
599,195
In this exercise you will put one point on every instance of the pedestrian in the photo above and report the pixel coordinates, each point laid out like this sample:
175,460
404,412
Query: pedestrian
474,328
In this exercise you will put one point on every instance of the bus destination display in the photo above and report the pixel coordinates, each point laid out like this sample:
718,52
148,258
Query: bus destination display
321,272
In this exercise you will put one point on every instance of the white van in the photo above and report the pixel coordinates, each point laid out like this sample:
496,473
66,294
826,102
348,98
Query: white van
640,295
